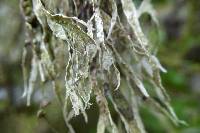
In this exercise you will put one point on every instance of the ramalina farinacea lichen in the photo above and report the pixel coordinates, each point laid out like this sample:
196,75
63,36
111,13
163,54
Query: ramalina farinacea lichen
101,47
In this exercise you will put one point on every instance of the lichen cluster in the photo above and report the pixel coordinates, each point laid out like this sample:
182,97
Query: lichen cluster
103,51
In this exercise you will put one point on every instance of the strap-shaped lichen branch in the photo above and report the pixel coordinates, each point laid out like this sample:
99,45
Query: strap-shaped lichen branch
104,52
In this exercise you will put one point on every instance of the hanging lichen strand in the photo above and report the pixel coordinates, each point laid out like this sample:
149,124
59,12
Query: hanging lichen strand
102,49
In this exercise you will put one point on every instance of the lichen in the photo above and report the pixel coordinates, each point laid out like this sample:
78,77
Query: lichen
106,55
